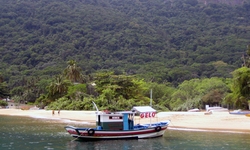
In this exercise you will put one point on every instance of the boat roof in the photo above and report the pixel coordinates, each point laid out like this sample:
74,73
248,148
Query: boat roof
143,109
138,109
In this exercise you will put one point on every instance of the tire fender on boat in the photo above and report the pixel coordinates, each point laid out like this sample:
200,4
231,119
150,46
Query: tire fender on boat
91,132
158,128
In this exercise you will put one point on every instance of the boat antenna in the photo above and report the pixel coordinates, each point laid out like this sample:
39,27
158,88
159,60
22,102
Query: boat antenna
97,111
151,103
151,97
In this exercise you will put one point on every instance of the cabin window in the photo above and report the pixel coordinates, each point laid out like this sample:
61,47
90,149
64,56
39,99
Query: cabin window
115,117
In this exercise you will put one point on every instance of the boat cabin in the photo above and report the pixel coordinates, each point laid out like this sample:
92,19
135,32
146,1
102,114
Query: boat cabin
123,120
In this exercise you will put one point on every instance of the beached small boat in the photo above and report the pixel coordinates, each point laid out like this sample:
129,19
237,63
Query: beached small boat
239,112
208,113
248,115
194,110
216,109
120,125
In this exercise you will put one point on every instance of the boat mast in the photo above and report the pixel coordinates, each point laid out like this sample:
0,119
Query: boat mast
151,97
150,103
97,111
98,114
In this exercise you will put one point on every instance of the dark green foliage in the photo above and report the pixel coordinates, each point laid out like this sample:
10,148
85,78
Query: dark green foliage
4,92
77,92
197,93
239,96
67,104
72,72
148,38
116,92
3,103
241,88
121,91
58,88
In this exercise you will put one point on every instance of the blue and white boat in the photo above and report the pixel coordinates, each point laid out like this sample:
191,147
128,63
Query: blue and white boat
239,112
120,125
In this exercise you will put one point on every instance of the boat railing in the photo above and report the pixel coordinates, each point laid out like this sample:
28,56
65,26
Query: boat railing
140,127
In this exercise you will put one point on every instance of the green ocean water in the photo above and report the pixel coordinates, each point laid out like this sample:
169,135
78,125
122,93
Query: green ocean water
24,133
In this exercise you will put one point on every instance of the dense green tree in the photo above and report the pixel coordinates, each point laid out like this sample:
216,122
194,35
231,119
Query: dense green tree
72,72
161,95
113,89
156,42
58,88
4,92
240,88
3,103
213,97
197,93
77,92
239,97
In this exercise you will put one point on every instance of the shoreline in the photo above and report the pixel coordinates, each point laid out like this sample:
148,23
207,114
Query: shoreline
190,121
86,117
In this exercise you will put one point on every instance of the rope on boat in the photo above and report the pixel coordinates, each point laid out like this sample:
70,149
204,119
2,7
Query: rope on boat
172,123
74,139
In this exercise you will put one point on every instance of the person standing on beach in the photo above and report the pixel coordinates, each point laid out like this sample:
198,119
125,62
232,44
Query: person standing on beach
53,112
58,111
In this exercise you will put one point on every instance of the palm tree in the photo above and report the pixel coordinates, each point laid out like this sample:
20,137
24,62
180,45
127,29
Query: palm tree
72,72
241,86
58,88
242,81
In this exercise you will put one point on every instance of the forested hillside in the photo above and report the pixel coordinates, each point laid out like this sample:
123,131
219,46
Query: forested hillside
160,40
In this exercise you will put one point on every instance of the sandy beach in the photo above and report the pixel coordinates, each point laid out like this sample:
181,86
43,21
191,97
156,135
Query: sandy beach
219,121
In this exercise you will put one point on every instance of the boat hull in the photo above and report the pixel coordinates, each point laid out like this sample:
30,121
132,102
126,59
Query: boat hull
84,133
240,113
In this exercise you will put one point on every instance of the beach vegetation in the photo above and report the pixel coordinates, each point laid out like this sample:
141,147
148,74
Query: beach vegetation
3,103
240,85
240,88
121,92
58,88
197,93
118,91
115,92
77,92
65,103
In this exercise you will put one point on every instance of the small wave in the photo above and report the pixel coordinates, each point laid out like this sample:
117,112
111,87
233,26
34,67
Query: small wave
60,119
41,117
205,130
73,121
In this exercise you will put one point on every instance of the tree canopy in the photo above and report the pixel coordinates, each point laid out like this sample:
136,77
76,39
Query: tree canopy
184,50
162,41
